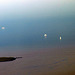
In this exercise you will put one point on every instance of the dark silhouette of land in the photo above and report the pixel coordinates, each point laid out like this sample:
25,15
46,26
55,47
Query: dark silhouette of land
5,59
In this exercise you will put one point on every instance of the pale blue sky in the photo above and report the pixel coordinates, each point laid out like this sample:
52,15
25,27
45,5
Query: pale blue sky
26,22
36,8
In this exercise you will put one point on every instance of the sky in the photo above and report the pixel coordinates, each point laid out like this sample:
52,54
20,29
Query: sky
26,22
36,8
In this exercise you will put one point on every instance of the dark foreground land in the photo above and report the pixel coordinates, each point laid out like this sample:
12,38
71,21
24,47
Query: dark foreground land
6,59
45,61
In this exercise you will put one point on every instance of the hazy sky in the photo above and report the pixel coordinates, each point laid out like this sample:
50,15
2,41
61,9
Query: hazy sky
36,8
26,21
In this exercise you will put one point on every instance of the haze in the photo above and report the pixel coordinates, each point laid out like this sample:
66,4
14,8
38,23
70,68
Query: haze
26,21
